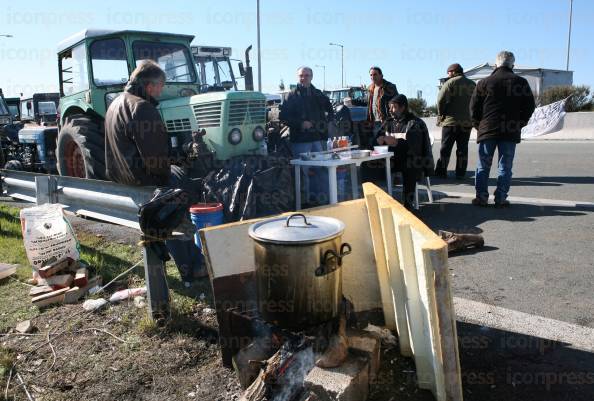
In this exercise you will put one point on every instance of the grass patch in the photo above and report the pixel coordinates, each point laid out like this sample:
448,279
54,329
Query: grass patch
107,259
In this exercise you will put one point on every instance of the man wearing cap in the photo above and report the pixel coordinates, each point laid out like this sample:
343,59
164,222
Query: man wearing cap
453,114
408,137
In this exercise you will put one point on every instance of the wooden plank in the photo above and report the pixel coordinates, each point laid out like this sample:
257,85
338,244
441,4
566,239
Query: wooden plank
7,270
59,281
418,319
81,278
75,293
396,279
380,261
56,267
39,290
50,298
435,261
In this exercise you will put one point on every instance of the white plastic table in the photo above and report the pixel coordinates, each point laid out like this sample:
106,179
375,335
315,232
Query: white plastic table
332,181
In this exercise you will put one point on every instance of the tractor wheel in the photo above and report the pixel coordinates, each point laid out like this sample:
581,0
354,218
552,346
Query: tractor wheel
14,165
81,149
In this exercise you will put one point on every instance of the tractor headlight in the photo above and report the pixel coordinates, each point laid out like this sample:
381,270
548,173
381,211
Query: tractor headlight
234,136
185,92
258,134
110,97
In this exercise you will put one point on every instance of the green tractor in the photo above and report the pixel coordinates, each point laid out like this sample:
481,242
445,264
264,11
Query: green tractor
94,66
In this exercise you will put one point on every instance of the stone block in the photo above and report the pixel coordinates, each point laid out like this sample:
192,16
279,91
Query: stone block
348,382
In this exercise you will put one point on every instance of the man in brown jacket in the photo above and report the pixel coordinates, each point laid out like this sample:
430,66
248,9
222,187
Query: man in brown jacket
380,93
137,152
136,142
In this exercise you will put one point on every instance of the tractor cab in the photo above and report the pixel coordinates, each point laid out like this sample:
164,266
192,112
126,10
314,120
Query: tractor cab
94,66
14,106
216,69
41,108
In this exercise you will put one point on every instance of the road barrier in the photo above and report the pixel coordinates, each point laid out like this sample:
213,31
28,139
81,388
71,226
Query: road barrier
100,200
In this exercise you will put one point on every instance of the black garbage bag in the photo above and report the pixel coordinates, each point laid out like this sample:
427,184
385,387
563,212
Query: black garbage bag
163,213
251,186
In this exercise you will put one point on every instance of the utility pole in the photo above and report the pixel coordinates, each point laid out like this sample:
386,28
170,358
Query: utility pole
341,63
324,67
259,51
569,33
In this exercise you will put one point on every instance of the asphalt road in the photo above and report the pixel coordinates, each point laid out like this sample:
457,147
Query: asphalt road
539,254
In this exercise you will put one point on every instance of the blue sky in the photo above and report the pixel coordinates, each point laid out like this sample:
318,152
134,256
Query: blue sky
413,42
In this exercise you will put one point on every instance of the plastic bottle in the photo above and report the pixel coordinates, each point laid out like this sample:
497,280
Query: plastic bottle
335,144
329,144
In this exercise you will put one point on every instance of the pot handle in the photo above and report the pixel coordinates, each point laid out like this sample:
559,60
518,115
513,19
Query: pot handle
324,268
297,215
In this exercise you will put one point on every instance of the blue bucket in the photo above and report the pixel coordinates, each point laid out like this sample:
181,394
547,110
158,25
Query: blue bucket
205,215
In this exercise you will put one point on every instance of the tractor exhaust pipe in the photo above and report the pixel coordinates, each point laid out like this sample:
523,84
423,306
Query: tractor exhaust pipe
249,76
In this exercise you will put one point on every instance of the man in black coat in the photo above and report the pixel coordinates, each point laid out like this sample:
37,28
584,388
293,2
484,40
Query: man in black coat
408,137
500,107
306,110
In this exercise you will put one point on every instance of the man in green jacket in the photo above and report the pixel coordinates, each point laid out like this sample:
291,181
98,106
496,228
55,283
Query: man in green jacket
453,115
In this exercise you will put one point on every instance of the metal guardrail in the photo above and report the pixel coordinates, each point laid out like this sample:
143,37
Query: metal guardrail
101,200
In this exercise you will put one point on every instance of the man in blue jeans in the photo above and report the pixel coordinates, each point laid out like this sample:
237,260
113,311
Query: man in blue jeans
500,107
306,110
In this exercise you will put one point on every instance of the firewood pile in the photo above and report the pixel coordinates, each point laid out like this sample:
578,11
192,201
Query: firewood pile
61,281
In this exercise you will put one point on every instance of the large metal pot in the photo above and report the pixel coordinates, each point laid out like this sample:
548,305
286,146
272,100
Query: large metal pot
298,275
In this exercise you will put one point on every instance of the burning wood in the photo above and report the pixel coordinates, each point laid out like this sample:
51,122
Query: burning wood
281,376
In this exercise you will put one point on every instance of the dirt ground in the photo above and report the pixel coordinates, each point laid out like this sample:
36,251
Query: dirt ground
119,354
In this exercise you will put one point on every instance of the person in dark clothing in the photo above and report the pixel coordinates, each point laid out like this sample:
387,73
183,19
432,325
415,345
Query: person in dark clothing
306,110
136,142
408,137
137,151
453,114
500,107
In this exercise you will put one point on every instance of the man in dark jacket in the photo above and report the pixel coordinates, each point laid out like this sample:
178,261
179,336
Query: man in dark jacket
500,107
137,151
136,142
306,110
408,137
453,116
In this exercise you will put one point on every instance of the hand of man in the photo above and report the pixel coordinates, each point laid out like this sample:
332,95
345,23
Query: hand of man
381,140
306,125
390,141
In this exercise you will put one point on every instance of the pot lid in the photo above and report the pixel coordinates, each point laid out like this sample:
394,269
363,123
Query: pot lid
296,229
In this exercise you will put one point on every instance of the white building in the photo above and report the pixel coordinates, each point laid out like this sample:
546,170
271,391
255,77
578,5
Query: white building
540,79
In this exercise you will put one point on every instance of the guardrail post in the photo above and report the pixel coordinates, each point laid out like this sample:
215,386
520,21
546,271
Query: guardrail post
156,282
45,189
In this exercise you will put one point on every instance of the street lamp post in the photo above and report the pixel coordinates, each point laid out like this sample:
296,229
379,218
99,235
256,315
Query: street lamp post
259,52
341,63
569,33
324,67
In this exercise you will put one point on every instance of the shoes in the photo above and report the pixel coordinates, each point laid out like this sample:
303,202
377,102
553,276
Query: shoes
480,202
502,204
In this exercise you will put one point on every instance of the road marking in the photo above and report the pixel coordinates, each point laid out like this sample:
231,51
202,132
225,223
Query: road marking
575,336
517,199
